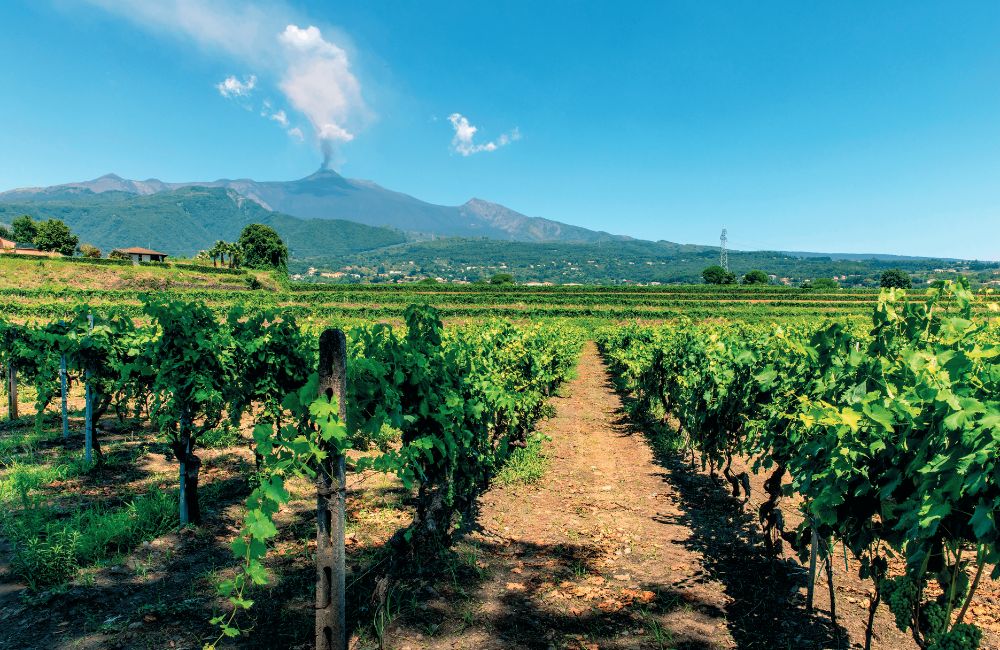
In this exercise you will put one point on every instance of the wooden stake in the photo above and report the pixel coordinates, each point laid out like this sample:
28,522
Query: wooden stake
331,626
812,568
88,436
829,580
11,392
62,387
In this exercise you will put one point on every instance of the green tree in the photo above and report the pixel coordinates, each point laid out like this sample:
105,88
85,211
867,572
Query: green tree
715,274
235,254
261,248
217,252
55,235
502,278
5,232
895,279
756,277
24,229
89,250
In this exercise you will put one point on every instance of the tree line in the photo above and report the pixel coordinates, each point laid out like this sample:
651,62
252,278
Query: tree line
716,274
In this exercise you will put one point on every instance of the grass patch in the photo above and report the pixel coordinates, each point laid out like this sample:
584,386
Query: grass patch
20,479
26,441
525,465
49,550
222,437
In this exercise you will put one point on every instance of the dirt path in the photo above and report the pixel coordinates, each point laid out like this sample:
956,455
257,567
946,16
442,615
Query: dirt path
604,513
620,545
590,556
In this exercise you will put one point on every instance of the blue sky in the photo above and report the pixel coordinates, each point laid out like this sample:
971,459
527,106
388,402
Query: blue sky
847,127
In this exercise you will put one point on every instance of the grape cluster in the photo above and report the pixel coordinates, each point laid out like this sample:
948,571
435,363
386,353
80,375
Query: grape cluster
899,594
962,637
934,620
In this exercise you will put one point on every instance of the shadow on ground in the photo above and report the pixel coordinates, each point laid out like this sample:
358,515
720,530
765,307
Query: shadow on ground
556,599
767,609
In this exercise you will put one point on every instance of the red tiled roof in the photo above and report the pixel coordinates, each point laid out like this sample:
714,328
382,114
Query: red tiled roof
29,251
135,250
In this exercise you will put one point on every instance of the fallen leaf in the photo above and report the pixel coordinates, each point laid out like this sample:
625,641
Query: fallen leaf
610,606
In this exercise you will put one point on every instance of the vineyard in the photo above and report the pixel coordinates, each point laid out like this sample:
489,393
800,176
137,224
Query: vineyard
441,411
209,467
887,438
356,303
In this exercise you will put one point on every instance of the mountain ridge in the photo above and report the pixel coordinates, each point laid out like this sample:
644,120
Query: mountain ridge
325,194
363,231
189,219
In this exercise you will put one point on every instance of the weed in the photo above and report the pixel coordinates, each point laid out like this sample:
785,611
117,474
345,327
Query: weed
468,615
524,466
662,636
221,437
21,478
384,616
50,552
470,558
49,560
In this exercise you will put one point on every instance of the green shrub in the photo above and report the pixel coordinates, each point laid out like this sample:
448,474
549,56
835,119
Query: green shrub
821,283
44,562
97,261
200,268
715,274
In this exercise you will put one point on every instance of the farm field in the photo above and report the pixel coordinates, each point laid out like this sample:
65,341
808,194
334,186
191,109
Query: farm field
51,289
617,494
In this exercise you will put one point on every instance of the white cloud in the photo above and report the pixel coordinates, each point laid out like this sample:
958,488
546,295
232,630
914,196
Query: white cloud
296,132
233,87
239,29
462,141
280,117
311,69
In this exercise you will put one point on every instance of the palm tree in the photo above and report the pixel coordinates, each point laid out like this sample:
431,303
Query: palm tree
217,251
235,252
